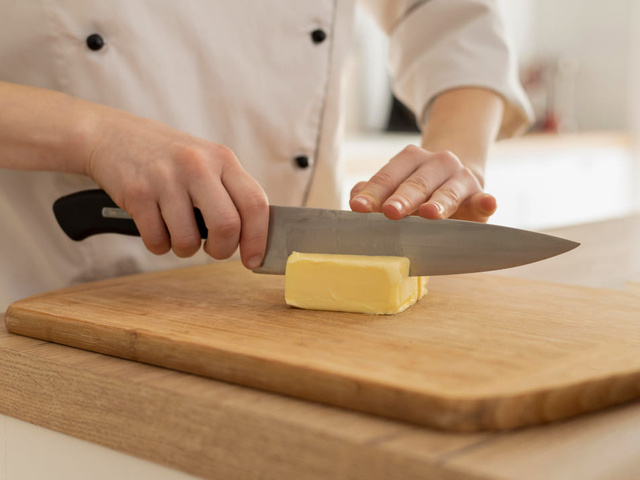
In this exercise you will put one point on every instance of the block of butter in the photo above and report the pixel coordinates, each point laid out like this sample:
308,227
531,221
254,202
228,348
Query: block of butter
351,283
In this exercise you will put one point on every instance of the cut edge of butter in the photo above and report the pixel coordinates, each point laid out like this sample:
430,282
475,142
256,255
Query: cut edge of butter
351,283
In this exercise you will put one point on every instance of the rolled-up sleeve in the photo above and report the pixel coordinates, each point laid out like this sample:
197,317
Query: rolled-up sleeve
439,45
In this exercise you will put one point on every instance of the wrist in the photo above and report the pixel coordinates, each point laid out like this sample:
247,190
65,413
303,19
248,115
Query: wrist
464,121
87,127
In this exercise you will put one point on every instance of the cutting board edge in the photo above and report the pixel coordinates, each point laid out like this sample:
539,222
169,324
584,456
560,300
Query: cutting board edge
458,413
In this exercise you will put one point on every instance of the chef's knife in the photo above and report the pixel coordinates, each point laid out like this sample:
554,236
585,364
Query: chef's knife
434,247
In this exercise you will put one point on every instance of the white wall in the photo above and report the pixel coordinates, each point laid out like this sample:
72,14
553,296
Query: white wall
633,79
598,34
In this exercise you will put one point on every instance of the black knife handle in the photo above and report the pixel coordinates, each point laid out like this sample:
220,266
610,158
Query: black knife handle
80,216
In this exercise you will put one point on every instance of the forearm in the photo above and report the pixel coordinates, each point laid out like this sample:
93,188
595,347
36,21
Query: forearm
466,122
45,130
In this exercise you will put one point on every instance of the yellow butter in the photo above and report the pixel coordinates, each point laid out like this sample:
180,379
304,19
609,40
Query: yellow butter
351,283
422,286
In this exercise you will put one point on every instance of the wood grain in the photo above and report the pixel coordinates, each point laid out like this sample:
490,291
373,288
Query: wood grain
480,352
53,385
599,447
200,426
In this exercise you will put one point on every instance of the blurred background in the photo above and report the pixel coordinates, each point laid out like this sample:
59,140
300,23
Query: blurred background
580,65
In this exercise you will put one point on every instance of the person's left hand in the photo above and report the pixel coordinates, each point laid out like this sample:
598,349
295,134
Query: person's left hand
430,184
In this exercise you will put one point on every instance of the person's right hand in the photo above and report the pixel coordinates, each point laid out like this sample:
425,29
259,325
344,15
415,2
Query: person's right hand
158,175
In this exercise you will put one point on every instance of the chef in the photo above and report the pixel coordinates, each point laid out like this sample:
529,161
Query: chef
228,106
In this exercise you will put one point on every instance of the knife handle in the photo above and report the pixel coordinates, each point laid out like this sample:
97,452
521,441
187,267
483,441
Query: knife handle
90,212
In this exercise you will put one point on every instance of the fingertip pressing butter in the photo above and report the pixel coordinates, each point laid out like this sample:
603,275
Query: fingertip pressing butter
351,283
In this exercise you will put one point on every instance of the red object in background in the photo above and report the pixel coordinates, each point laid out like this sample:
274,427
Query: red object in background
550,85
550,123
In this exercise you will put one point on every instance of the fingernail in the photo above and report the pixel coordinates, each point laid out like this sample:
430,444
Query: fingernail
488,208
395,204
363,201
254,262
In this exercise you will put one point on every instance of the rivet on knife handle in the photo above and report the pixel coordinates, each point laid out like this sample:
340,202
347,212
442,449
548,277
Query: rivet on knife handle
91,212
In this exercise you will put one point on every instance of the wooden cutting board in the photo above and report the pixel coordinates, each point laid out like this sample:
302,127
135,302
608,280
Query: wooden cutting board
479,352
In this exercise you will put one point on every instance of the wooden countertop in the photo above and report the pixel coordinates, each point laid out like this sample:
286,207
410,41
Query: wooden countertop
217,430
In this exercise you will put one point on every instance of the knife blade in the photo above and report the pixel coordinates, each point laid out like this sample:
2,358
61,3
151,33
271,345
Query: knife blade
433,247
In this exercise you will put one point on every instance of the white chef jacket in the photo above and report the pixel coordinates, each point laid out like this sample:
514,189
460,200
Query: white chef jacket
249,74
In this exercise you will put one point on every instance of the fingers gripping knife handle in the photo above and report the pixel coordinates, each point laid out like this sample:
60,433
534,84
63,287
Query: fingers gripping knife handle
91,212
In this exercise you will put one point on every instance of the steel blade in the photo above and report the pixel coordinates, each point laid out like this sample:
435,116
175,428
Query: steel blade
434,247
